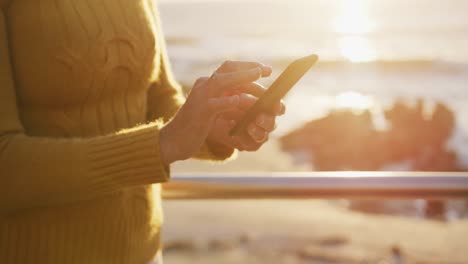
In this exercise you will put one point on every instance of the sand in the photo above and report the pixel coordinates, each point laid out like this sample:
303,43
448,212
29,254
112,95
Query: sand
311,231
306,231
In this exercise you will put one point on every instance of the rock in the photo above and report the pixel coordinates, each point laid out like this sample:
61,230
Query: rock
396,255
345,140
245,239
180,245
222,244
333,241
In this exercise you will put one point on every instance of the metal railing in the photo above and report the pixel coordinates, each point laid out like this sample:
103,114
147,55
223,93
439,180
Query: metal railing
330,185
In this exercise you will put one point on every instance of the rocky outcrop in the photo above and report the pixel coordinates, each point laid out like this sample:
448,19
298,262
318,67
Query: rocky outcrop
345,140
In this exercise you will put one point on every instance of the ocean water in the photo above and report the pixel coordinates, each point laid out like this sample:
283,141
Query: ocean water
377,51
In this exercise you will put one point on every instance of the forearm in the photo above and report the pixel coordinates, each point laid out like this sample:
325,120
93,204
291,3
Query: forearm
43,171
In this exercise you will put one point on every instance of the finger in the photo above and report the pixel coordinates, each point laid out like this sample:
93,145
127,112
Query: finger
234,114
228,81
200,81
250,144
234,66
266,122
238,143
224,125
256,133
221,130
278,109
254,89
246,101
258,90
282,109
222,104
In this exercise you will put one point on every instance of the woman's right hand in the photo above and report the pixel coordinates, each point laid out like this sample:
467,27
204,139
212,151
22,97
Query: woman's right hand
184,135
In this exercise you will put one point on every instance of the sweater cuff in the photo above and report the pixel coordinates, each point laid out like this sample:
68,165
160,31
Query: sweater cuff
128,158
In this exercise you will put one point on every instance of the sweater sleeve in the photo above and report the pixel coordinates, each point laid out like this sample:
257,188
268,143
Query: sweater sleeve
165,97
37,171
4,3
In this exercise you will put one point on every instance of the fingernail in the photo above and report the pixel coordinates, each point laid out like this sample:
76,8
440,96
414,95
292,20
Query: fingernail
262,138
244,96
279,108
266,70
282,109
258,71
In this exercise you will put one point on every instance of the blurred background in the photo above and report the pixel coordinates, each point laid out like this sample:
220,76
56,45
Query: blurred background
389,93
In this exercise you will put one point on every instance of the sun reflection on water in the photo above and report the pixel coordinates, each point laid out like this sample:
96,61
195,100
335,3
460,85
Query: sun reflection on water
354,23
357,49
353,100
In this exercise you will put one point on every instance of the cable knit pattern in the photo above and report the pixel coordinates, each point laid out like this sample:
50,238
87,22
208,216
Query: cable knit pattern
82,85
99,58
4,3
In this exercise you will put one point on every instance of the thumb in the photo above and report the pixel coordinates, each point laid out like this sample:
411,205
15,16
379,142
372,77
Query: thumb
222,104
220,133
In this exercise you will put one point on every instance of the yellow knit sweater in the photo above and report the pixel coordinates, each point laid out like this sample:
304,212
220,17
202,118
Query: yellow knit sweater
82,83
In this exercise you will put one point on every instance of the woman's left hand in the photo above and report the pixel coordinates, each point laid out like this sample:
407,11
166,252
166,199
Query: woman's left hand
257,132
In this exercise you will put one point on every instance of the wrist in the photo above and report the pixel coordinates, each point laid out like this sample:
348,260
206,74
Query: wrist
168,155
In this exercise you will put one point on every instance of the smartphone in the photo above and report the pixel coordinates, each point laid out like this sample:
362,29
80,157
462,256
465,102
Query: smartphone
276,92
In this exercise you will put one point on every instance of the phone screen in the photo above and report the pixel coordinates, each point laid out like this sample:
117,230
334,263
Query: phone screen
280,87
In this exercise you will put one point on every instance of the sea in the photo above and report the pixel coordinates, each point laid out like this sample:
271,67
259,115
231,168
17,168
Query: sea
372,52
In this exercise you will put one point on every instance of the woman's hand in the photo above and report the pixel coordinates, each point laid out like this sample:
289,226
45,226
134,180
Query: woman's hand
184,135
257,132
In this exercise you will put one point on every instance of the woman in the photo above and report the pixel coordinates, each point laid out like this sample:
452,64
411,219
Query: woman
90,121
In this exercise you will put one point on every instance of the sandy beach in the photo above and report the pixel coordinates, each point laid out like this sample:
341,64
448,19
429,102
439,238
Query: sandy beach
308,231
311,231
365,49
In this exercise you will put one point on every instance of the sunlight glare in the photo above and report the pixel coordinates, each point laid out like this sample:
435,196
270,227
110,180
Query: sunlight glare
354,101
353,18
353,22
357,49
